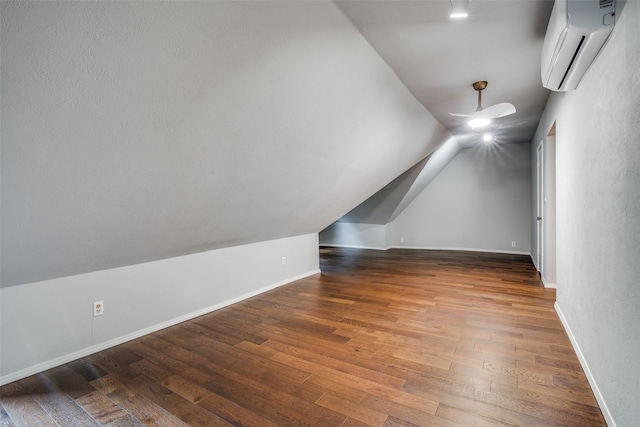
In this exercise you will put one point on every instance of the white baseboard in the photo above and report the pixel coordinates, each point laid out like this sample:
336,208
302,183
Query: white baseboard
431,248
546,284
608,417
375,248
31,370
535,264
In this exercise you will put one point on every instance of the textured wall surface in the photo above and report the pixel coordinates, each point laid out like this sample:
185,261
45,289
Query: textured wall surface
598,217
136,131
44,324
481,200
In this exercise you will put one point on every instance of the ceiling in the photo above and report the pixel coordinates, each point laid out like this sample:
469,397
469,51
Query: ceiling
438,58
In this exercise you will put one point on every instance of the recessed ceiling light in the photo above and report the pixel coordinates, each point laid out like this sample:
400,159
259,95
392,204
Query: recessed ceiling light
479,123
487,138
459,9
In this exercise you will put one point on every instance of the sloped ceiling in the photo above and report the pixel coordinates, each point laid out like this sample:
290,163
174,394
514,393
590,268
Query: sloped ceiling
134,131
385,205
378,208
438,58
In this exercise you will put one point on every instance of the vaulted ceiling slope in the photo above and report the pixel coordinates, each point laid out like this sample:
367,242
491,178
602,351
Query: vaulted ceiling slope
385,205
438,58
134,131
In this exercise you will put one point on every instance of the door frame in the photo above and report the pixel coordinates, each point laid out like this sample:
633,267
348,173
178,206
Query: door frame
540,206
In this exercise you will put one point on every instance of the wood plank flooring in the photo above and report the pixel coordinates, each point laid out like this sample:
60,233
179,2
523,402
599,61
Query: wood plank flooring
380,338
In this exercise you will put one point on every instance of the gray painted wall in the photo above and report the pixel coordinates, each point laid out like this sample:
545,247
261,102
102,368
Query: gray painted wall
137,131
549,213
385,205
355,235
379,208
598,218
45,324
480,201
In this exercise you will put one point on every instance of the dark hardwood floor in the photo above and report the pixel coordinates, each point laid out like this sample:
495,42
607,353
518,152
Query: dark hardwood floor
393,338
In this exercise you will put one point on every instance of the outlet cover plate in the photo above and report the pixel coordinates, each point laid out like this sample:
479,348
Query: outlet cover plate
98,308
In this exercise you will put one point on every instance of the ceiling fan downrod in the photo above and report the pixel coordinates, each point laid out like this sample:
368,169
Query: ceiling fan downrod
479,87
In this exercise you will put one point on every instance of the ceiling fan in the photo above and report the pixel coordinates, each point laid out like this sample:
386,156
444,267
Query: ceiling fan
483,116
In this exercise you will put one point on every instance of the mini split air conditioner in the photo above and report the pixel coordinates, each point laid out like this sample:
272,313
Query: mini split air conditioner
577,31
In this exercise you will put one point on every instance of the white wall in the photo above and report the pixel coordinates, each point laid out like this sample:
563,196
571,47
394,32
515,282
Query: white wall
480,201
48,323
598,218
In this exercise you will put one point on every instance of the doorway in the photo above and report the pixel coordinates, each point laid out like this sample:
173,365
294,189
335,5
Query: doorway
546,208
539,204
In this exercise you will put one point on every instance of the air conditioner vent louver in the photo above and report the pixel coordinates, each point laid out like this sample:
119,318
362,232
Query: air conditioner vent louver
605,3
575,54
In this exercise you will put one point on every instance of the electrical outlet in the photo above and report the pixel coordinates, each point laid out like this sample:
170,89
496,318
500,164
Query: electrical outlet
513,244
402,240
98,308
284,260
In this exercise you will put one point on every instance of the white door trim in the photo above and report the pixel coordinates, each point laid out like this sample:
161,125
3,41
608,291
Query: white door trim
540,207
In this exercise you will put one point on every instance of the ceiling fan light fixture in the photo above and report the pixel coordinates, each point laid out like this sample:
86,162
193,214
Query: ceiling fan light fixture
487,138
459,9
479,122
483,116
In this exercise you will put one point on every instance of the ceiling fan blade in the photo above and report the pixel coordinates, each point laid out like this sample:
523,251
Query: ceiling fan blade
497,110
461,115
